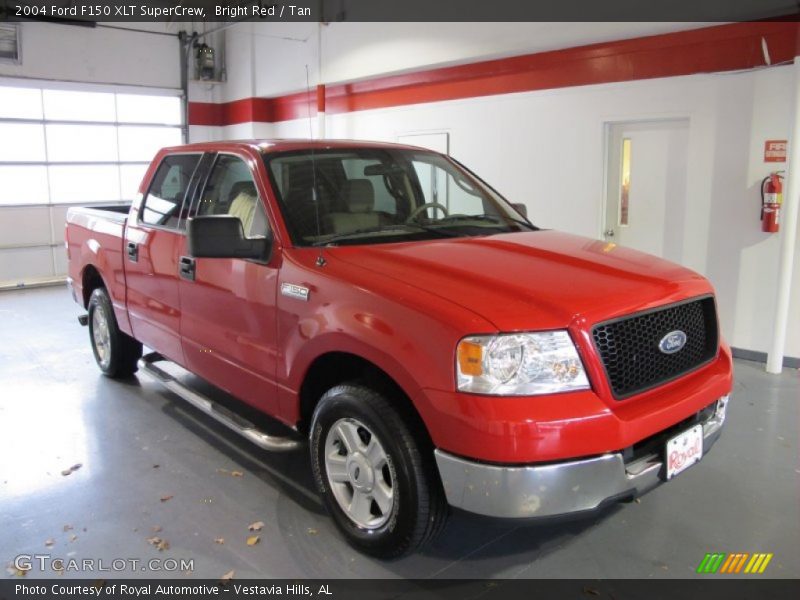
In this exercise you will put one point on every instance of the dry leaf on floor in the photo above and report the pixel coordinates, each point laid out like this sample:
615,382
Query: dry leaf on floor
14,571
166,498
228,576
50,542
253,540
220,541
231,473
257,526
159,543
73,537
312,531
156,528
156,466
67,527
72,469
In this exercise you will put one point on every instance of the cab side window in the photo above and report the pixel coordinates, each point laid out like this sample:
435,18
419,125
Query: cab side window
162,205
230,190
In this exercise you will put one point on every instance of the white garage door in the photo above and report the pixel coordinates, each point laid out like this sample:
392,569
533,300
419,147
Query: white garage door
61,147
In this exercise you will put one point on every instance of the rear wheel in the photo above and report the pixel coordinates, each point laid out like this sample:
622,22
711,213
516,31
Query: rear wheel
115,352
373,474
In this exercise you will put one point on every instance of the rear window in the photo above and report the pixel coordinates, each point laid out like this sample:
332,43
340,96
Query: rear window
167,192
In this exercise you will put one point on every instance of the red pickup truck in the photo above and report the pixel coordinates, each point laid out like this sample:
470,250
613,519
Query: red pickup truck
431,345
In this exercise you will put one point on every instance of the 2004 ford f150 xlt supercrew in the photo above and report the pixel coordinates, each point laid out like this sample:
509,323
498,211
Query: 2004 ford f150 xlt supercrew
430,344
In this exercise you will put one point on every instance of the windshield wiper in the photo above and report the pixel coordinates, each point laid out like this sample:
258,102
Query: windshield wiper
494,218
401,227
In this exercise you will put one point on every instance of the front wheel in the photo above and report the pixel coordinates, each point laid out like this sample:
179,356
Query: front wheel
381,489
115,352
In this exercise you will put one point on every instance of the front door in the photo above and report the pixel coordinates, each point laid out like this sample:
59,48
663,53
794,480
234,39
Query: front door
228,321
646,193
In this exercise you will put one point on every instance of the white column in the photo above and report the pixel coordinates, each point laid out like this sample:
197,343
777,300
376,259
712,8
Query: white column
320,87
788,234
321,124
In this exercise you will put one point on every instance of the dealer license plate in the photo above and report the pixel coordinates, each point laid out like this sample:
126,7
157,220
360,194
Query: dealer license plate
684,450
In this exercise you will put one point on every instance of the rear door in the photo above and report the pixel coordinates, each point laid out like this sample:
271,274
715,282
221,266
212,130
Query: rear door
228,320
153,239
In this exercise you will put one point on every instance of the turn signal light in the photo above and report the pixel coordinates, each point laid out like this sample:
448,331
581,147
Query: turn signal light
470,358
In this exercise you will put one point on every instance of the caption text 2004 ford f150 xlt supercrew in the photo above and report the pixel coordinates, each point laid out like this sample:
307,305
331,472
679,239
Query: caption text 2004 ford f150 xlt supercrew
432,346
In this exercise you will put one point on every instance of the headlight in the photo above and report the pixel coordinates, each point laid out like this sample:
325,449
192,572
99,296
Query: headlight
519,364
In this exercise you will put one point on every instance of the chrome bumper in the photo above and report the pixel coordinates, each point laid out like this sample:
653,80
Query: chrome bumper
557,489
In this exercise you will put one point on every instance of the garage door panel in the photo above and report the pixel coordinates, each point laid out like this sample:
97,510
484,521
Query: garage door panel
22,264
70,147
59,216
23,184
60,260
25,226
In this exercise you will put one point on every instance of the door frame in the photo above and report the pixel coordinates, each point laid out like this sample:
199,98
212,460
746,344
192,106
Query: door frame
607,126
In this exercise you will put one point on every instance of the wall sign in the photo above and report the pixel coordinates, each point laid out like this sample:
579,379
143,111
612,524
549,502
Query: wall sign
775,151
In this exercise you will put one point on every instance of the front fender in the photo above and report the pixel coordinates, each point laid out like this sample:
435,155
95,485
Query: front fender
408,334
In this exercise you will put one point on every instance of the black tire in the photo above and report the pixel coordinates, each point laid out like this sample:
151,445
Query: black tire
419,509
117,357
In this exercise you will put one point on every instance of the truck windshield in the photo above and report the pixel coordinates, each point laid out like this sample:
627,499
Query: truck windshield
376,195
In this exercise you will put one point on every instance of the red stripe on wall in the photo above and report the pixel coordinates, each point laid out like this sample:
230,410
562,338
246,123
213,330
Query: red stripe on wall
710,49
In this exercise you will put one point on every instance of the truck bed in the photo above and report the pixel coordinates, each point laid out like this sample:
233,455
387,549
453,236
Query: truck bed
94,238
114,212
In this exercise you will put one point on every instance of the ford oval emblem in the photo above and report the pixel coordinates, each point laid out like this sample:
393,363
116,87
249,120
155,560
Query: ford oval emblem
672,342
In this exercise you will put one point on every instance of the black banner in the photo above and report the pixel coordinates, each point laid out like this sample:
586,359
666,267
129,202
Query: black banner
90,11
748,587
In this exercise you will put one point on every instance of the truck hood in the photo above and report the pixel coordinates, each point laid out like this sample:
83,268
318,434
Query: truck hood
536,280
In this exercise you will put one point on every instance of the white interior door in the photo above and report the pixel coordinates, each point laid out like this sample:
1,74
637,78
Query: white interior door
646,195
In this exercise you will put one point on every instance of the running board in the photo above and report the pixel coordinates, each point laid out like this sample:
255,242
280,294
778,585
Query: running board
220,413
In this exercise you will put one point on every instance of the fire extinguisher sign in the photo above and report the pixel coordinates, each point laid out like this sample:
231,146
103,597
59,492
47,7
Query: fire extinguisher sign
775,151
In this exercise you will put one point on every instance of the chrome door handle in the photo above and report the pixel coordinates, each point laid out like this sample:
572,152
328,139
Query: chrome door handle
133,251
609,233
186,267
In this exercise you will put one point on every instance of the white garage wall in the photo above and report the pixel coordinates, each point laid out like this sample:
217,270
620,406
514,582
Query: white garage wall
98,55
547,149
269,59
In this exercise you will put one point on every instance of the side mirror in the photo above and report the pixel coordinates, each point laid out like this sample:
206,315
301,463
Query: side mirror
222,236
520,208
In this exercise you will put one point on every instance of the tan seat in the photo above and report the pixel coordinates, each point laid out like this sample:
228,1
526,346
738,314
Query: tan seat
360,198
244,207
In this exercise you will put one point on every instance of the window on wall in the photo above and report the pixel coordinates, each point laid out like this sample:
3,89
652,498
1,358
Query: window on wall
69,146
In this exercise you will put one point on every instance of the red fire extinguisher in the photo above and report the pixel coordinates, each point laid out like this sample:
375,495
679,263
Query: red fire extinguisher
771,200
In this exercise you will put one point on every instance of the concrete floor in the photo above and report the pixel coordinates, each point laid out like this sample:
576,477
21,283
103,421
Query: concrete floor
56,410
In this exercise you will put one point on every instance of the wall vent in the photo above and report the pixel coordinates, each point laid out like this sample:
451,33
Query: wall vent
10,45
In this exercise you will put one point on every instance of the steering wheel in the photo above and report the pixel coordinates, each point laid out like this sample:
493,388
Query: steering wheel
422,207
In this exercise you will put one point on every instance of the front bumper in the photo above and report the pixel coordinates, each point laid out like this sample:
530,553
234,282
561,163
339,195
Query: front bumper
560,488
